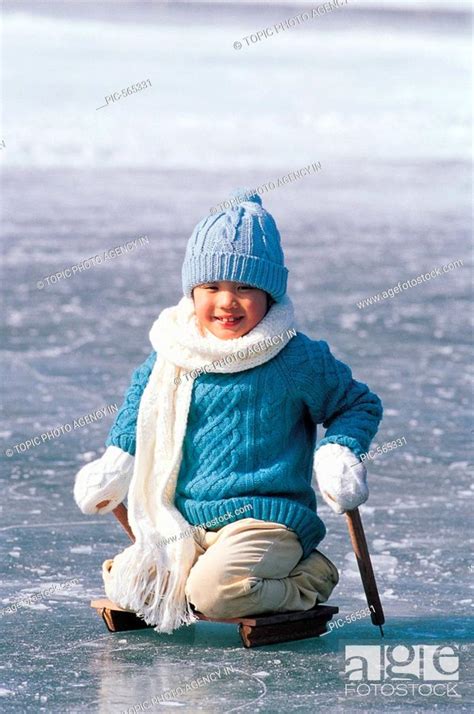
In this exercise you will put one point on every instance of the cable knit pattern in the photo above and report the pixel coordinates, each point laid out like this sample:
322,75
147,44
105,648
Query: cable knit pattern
214,431
250,436
347,409
124,429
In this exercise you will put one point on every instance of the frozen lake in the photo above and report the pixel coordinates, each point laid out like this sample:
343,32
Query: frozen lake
381,101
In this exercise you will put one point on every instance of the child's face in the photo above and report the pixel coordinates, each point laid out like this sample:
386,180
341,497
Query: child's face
226,298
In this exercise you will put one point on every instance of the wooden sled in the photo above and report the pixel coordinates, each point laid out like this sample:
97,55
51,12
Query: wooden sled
254,630
273,627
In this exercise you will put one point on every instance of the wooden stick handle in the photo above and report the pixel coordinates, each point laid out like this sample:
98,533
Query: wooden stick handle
121,515
359,544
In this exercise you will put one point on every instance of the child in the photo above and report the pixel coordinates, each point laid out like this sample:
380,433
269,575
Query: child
218,431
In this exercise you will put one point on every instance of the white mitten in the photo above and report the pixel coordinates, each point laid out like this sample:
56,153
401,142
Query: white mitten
105,479
341,477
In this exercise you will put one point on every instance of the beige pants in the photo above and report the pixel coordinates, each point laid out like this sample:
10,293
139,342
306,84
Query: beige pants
250,567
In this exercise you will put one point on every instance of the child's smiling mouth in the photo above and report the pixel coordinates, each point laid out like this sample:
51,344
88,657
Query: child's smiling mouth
228,321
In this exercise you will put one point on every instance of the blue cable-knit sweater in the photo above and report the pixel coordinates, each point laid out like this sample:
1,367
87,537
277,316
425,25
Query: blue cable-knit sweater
251,435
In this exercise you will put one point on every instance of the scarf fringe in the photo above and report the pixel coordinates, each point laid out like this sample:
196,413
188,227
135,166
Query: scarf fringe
143,583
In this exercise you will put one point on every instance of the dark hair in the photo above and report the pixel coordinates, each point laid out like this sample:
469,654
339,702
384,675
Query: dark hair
270,301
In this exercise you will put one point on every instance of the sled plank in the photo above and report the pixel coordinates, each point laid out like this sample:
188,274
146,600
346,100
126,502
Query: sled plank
116,618
284,632
254,631
105,602
318,612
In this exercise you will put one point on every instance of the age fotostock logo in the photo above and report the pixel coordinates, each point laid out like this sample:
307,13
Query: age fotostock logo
401,670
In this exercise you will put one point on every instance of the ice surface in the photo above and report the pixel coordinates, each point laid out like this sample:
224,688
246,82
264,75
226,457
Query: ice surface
391,202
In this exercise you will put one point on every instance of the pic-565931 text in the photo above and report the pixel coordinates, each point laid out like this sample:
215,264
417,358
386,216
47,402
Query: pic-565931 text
133,89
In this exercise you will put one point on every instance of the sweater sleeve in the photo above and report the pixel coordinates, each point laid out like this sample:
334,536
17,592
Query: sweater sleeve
348,409
123,430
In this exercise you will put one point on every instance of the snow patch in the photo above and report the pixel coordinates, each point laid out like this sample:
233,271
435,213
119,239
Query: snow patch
88,456
6,692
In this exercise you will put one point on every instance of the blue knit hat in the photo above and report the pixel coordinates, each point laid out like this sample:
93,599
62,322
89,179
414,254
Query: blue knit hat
241,244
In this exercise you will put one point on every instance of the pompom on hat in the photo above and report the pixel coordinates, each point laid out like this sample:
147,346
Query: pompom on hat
241,244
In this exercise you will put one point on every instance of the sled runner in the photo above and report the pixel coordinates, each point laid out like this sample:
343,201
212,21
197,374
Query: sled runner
254,630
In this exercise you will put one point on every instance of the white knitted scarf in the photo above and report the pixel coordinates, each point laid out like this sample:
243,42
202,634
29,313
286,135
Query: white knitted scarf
148,577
